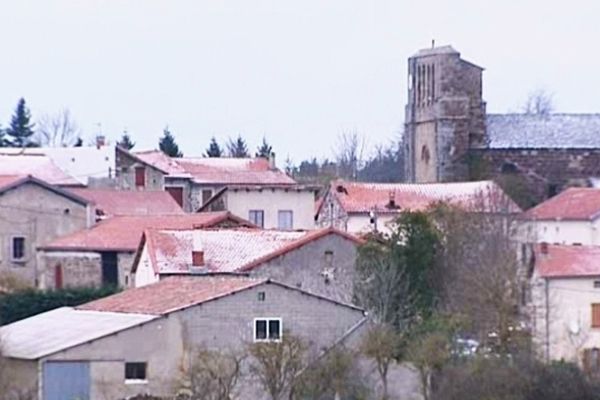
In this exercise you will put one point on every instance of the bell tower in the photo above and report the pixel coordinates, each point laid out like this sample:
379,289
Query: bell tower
444,115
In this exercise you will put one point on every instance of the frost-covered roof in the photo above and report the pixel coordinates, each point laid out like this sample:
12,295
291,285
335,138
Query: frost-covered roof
60,329
553,131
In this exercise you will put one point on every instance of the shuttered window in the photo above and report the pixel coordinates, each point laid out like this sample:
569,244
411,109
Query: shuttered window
596,315
140,176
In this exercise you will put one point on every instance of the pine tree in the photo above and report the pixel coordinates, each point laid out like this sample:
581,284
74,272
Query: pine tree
126,142
3,142
237,148
20,131
214,150
264,150
167,144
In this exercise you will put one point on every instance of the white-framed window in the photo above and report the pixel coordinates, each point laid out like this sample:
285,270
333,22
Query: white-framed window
267,329
285,219
17,248
135,372
257,217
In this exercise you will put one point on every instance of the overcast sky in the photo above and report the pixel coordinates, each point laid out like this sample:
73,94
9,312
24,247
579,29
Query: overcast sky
299,72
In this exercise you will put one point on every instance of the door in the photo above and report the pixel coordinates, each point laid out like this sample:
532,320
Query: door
66,380
176,193
110,269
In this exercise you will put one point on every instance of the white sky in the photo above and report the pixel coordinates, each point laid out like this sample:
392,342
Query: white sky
300,72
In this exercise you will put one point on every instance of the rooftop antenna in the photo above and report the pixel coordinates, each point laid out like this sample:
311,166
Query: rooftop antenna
432,43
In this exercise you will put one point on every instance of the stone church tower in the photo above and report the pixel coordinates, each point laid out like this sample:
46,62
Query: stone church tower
445,115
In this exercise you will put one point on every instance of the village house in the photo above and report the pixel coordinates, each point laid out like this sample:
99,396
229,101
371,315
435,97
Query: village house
572,217
320,261
142,340
32,213
253,188
565,304
361,207
103,254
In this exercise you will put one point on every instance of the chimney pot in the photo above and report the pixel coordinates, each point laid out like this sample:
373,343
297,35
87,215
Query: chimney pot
272,164
100,141
197,258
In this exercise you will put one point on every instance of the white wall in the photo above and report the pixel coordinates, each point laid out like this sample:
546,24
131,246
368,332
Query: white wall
567,307
144,274
563,232
361,223
302,203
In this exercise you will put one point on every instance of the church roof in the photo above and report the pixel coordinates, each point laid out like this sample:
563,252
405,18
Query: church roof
554,131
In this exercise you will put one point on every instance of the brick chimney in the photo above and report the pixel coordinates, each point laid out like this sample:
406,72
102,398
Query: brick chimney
197,251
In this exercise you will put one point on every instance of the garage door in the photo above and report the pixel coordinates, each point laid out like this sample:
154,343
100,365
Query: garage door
66,380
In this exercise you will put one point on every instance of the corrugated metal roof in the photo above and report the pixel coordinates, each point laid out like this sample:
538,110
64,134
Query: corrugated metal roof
554,131
62,328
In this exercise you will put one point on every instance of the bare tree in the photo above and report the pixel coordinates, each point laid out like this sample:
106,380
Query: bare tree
479,274
381,344
349,153
277,365
539,102
428,353
59,130
212,375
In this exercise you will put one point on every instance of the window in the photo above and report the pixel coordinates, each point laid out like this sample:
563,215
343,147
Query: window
262,296
18,248
257,217
135,371
596,284
206,195
591,359
596,315
267,329
285,220
140,176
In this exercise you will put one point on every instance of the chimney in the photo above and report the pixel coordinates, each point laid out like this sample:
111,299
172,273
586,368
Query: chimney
392,201
100,141
197,258
544,248
197,250
272,164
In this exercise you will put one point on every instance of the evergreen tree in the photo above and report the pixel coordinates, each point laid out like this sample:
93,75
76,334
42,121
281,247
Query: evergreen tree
237,148
126,142
20,131
3,142
214,150
167,144
264,150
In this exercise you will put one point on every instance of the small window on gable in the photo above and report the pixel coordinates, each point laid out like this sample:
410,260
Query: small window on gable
329,258
267,329
18,248
425,156
135,371
596,284
262,296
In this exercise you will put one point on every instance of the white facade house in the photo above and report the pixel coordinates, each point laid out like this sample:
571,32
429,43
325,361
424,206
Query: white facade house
565,304
275,207
571,218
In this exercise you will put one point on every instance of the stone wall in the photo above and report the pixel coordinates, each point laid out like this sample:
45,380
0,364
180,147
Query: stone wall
39,215
125,173
545,171
324,266
78,269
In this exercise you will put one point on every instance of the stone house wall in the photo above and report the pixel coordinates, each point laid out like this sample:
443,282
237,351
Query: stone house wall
125,173
325,266
39,215
224,324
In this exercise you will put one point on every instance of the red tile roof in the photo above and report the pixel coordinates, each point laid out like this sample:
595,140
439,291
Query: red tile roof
362,197
219,170
563,261
173,293
571,204
10,180
123,233
128,202
226,250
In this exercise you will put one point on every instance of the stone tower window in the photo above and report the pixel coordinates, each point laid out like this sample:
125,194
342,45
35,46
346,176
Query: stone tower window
425,156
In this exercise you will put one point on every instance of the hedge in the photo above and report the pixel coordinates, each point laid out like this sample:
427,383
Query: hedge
25,303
